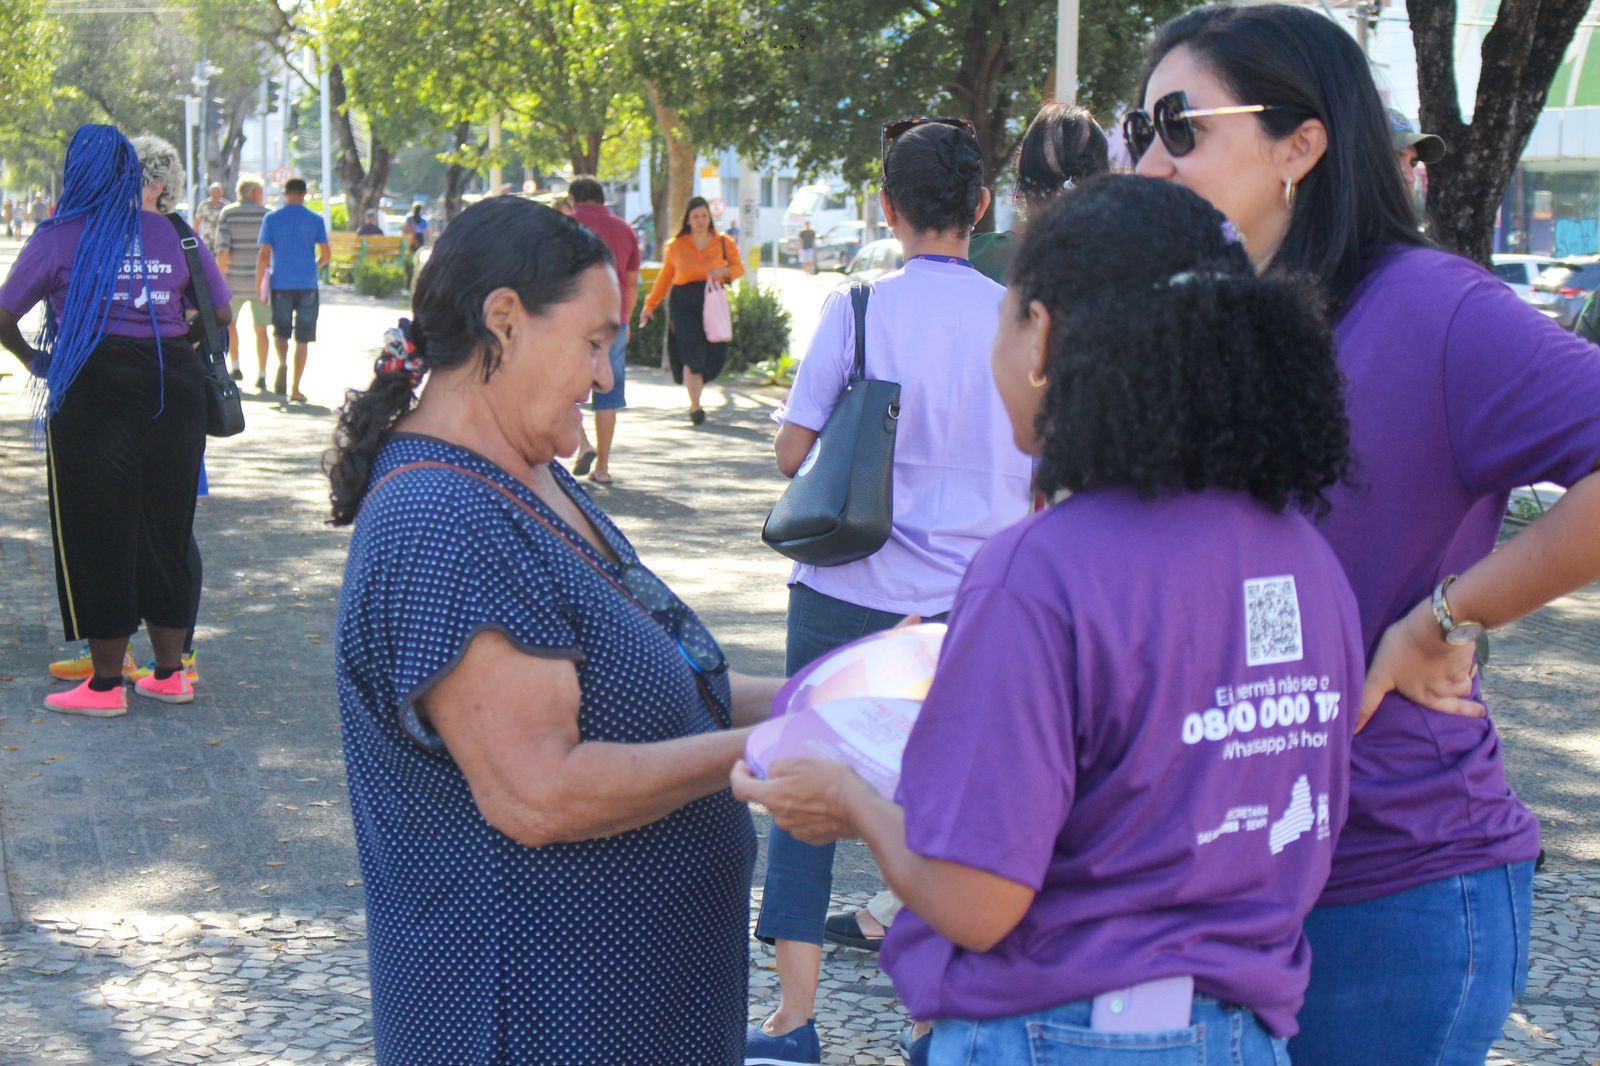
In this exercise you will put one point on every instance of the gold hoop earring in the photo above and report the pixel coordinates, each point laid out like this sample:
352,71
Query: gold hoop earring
1037,380
1288,193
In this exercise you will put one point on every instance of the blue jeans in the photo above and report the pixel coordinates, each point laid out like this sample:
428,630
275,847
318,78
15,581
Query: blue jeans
616,398
794,901
1218,1033
1424,977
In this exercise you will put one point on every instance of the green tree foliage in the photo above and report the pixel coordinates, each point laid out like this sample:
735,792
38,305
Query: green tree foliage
27,56
853,64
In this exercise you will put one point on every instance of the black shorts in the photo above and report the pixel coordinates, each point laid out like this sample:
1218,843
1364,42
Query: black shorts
122,488
295,310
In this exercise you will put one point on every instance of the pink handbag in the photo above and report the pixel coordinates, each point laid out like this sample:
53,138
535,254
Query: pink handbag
718,316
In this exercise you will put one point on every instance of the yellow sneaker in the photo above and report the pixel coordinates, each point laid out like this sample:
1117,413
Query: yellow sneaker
81,666
191,669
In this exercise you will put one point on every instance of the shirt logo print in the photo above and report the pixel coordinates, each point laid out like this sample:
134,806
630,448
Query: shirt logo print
1296,820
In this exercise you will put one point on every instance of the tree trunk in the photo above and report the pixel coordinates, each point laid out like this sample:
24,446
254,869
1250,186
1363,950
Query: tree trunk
456,178
985,61
680,168
1520,57
584,155
363,186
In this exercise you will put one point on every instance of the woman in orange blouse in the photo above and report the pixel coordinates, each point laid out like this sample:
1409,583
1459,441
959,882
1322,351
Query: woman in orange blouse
696,255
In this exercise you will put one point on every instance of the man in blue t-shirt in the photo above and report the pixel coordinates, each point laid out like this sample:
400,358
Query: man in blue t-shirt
294,247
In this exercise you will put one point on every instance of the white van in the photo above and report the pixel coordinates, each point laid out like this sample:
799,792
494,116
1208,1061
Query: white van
824,204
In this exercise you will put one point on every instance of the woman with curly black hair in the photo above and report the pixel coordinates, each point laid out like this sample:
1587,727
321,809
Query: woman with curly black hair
1120,797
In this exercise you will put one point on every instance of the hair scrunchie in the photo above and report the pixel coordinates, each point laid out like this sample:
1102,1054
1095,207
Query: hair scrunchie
400,354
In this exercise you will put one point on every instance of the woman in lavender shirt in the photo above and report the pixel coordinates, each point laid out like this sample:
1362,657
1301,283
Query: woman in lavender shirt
1457,392
1121,795
958,479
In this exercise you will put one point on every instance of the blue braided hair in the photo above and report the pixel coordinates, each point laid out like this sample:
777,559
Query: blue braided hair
103,185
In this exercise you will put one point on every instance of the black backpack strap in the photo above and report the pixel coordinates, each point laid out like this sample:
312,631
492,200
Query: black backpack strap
860,293
199,290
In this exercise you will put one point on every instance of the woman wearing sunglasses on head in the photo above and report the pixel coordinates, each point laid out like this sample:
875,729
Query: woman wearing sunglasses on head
1120,796
1457,392
958,480
698,254
537,732
1062,146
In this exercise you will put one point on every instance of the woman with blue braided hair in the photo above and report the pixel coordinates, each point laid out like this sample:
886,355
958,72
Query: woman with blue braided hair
121,407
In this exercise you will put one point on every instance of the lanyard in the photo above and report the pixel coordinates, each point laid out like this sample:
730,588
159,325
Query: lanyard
953,260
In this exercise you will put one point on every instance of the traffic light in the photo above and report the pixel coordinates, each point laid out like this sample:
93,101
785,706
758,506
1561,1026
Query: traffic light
272,96
214,108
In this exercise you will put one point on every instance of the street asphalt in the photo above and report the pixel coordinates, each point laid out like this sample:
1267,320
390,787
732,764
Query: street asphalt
181,885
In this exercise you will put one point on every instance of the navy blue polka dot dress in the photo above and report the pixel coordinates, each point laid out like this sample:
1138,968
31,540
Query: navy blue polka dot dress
626,951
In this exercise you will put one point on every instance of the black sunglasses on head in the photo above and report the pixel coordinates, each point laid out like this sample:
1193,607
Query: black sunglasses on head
1169,119
893,131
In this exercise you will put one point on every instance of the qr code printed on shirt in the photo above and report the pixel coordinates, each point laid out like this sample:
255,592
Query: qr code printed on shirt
1272,621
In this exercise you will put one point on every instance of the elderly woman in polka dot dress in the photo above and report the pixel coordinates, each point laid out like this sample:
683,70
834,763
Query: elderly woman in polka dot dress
538,733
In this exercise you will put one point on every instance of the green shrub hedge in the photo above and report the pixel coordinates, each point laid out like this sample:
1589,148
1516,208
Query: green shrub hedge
760,330
379,279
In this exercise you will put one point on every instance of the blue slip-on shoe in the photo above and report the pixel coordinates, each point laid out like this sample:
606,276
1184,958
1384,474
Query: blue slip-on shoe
799,1047
915,1052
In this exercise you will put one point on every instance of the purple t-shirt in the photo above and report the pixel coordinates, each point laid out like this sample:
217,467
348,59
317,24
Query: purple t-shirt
1458,392
1143,712
44,268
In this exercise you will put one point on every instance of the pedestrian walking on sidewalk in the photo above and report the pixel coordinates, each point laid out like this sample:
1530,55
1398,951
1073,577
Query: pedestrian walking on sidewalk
208,214
1084,853
124,408
697,255
1457,392
293,248
237,251
535,726
958,480
588,198
808,248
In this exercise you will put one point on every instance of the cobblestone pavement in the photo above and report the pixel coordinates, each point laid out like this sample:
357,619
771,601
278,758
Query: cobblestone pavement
180,885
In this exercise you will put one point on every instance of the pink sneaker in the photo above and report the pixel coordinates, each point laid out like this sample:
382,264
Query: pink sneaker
175,689
85,700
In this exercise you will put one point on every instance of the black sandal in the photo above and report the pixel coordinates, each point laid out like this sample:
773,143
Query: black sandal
844,930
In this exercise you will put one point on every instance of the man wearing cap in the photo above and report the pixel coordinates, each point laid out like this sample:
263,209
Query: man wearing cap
1411,147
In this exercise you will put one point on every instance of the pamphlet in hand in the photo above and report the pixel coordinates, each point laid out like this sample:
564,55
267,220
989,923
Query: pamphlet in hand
856,705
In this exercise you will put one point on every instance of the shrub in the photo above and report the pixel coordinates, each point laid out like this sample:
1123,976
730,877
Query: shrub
644,345
379,279
760,330
760,327
340,216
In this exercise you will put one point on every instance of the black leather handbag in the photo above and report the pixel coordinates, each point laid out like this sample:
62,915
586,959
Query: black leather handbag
840,505
224,405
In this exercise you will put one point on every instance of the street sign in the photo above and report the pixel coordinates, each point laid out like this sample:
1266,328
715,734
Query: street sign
281,175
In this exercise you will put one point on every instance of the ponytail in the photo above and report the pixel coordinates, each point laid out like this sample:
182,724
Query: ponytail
501,242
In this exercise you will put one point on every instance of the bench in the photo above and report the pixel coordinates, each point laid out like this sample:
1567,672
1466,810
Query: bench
348,251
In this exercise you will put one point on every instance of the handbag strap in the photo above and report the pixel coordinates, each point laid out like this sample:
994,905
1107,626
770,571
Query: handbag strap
199,290
860,293
551,527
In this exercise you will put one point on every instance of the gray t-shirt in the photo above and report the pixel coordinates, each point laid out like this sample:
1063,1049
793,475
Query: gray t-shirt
237,230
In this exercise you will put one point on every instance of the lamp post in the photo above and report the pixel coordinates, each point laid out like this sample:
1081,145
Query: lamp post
191,114
1067,51
201,84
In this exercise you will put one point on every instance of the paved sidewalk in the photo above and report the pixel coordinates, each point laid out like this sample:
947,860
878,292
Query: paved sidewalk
183,880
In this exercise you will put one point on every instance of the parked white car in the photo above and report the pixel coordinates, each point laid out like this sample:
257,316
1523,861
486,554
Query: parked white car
1520,271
